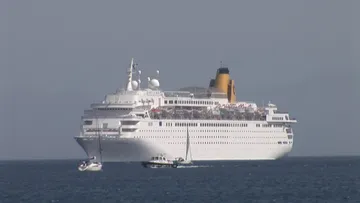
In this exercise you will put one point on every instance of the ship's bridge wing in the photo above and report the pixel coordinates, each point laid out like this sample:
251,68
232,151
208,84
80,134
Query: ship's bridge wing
275,116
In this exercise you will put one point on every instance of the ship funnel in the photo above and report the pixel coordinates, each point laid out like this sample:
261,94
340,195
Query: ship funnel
223,83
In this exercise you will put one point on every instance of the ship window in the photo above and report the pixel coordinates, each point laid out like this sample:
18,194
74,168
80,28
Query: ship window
175,101
165,101
171,102
160,123
128,130
87,122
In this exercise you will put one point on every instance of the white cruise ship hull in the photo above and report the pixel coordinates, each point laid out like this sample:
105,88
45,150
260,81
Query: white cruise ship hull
136,124
138,149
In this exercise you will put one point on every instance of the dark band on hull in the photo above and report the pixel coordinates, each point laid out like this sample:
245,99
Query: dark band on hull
158,165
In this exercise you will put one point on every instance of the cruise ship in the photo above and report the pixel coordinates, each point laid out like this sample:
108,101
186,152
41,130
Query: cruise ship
136,123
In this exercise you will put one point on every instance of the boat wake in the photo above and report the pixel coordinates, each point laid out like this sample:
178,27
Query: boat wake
195,166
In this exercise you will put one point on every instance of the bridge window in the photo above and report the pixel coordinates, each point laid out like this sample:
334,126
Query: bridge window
129,122
87,122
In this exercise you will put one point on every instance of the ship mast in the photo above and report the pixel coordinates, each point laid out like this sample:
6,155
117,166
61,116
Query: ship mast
129,86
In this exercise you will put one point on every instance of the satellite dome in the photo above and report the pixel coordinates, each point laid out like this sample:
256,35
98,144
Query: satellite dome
134,84
155,83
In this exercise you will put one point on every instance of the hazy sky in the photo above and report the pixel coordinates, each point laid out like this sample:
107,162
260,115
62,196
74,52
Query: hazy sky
57,57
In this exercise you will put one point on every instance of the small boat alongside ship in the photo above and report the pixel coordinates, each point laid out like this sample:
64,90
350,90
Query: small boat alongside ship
92,164
159,161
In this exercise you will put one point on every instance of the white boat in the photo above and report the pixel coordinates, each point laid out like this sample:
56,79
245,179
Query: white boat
92,164
159,161
187,160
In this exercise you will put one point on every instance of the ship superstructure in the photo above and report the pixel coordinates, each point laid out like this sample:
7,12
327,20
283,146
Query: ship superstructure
138,123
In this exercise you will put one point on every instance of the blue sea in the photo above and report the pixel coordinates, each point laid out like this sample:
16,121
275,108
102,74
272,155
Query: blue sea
325,179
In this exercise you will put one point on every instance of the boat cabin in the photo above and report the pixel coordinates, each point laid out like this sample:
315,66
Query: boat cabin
160,158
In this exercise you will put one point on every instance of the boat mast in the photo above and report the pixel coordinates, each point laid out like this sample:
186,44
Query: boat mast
100,149
187,143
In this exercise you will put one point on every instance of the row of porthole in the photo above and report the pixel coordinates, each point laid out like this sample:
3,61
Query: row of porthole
242,143
205,131
205,137
285,142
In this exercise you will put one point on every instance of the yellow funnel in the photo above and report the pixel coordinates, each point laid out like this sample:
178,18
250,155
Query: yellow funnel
224,84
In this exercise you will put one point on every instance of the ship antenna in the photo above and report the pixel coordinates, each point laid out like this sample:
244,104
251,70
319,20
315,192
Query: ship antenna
139,79
130,72
157,74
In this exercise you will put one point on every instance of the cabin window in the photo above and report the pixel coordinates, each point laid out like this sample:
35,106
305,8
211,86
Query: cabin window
87,122
160,123
165,102
171,102
175,101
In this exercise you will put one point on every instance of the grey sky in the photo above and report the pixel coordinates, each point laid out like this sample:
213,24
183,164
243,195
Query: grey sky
57,57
